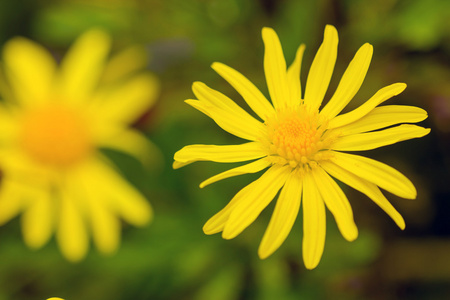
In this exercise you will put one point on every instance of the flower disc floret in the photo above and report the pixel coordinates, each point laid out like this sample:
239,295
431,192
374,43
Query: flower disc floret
297,137
55,135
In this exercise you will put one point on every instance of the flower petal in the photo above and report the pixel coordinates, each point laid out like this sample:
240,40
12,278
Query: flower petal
229,122
118,195
275,69
350,83
217,222
128,101
365,187
226,153
225,112
283,217
293,78
356,114
321,69
132,142
376,172
251,94
252,167
384,116
337,203
376,139
12,200
215,98
257,198
314,224
30,70
124,64
105,226
82,66
71,231
38,220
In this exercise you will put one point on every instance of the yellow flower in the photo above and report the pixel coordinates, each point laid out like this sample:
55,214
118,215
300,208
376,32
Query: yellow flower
53,121
302,146
55,298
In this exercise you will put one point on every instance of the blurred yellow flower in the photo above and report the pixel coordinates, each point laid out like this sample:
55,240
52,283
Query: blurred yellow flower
302,146
53,121
55,298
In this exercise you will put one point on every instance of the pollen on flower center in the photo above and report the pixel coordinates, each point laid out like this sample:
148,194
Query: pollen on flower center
297,138
55,135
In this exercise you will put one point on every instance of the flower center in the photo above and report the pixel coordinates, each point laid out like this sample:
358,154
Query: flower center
55,135
298,138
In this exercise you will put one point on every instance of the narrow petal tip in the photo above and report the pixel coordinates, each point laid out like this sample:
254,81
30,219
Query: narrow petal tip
330,29
267,30
263,253
216,64
400,87
177,165
351,235
310,265
227,237
196,84
368,47
206,229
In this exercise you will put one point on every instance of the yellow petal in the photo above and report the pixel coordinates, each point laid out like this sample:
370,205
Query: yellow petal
365,187
283,217
225,112
38,220
251,94
322,67
384,116
275,69
30,70
128,101
83,65
293,78
12,199
71,231
134,143
227,153
314,224
124,64
229,122
379,97
350,83
376,172
337,203
215,98
105,226
376,139
258,197
217,222
252,167
8,124
118,196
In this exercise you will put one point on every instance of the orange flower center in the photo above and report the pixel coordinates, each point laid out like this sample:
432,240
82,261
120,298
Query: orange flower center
55,135
297,138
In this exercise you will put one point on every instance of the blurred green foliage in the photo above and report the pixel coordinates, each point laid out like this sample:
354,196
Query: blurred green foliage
172,258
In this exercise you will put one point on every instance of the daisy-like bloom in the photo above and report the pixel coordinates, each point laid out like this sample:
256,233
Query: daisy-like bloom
53,121
303,146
